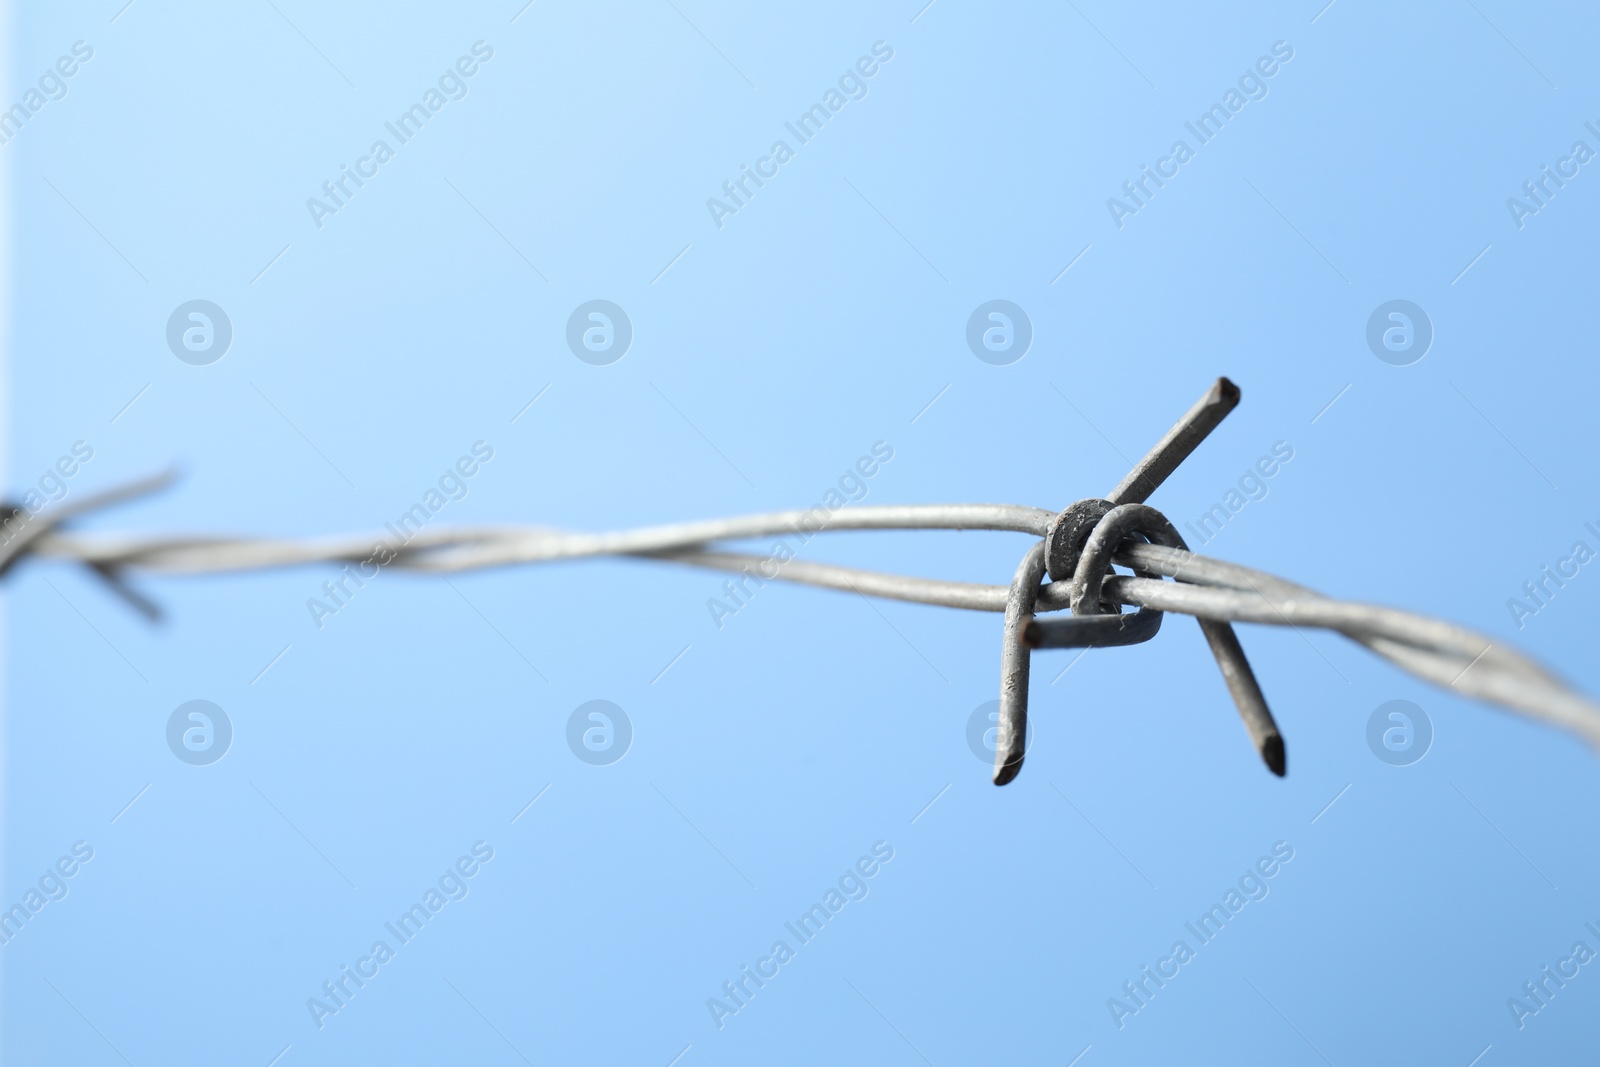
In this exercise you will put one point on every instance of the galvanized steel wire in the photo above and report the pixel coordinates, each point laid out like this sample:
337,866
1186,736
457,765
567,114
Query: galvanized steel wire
1078,547
1440,652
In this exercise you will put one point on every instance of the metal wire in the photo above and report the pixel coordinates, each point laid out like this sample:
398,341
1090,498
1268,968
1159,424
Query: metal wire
1078,547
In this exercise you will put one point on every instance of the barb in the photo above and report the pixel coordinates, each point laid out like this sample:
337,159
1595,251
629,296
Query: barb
1078,548
1080,542
21,531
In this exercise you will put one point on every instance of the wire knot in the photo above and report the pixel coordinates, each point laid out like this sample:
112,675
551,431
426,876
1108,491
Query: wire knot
1084,538
1078,550
1069,533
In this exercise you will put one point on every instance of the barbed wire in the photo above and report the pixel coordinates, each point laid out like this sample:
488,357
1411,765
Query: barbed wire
1078,549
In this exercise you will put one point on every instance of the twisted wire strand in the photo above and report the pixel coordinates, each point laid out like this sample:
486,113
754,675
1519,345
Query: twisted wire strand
468,548
1078,549
1450,656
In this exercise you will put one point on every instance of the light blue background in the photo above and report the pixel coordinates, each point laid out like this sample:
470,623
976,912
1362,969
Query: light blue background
820,319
